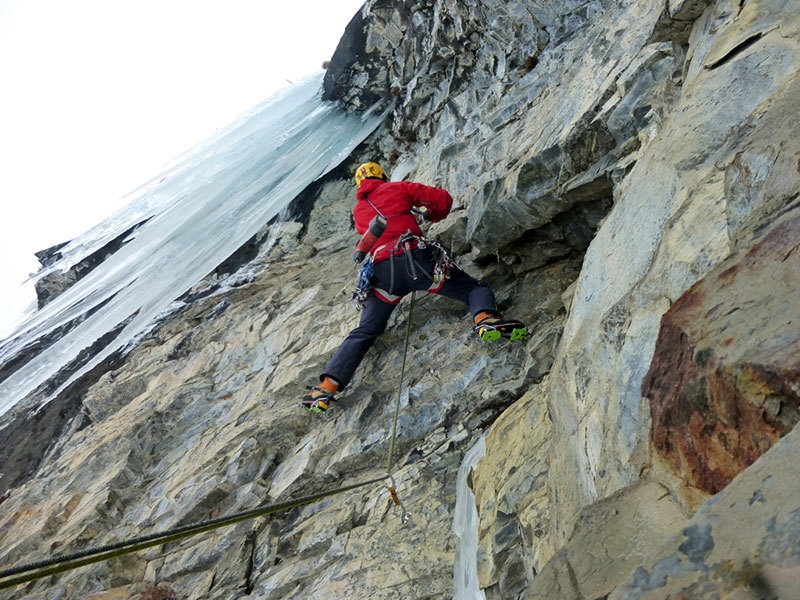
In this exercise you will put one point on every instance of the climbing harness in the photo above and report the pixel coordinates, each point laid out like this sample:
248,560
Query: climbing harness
406,245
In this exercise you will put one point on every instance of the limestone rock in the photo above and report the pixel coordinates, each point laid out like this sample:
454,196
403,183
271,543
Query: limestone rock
742,543
512,494
724,384
678,214
612,163
618,533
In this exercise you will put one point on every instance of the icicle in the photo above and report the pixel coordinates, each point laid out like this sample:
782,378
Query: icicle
195,215
465,526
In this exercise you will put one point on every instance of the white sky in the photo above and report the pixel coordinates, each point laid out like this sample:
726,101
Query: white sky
97,95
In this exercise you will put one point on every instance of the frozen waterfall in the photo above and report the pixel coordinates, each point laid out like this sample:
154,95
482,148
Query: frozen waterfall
465,527
206,204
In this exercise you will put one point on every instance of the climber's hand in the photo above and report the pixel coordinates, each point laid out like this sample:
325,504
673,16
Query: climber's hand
421,214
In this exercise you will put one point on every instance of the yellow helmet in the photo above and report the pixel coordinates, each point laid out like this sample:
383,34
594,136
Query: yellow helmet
369,169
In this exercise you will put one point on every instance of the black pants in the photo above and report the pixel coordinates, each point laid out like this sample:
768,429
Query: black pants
393,276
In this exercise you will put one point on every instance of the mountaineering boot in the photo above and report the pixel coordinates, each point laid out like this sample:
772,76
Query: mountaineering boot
320,396
491,328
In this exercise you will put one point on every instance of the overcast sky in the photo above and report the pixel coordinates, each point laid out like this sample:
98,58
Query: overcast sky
97,95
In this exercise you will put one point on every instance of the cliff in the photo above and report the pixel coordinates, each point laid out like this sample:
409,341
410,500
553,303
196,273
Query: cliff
626,177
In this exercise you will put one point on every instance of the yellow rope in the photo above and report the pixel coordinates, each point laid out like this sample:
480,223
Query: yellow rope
60,564
406,516
400,387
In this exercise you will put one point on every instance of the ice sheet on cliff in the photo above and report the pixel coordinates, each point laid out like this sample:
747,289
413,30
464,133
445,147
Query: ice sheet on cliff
206,204
465,526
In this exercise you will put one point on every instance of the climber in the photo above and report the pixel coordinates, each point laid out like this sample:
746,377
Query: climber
399,261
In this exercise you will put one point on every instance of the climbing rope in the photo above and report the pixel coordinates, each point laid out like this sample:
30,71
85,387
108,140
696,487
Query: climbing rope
67,562
406,516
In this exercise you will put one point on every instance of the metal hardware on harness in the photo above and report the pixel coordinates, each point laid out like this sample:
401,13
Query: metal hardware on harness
364,286
444,263
438,274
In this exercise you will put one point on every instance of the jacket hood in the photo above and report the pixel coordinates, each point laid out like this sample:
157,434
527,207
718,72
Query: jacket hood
367,186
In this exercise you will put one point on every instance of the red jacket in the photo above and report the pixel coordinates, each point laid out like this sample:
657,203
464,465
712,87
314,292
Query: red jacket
394,200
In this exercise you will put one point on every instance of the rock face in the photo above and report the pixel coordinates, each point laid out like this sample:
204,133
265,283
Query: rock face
626,179
52,284
724,383
742,543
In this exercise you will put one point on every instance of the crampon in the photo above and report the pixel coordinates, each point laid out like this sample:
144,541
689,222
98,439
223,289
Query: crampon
494,328
317,400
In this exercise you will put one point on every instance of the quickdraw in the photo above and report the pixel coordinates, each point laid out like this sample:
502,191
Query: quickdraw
444,263
405,517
